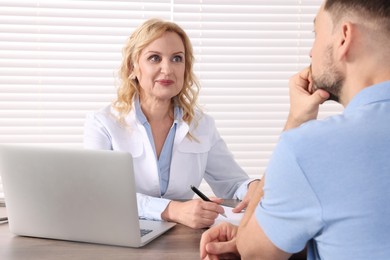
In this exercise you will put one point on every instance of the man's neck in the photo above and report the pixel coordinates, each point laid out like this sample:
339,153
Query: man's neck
353,87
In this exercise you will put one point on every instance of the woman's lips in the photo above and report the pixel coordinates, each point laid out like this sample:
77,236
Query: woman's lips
165,82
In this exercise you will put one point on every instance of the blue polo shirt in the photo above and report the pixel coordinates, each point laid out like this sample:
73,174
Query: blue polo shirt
328,183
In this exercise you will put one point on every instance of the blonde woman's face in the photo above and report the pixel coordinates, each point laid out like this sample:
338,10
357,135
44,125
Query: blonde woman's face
161,68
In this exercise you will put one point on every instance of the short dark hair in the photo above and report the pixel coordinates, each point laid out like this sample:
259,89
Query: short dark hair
374,10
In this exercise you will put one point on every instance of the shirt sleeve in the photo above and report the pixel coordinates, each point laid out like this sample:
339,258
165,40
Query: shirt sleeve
223,174
151,207
96,135
289,213
242,190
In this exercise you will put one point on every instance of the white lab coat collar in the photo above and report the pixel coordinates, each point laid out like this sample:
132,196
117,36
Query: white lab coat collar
138,132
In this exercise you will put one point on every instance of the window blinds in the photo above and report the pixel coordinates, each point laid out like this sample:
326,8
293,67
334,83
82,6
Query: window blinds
58,61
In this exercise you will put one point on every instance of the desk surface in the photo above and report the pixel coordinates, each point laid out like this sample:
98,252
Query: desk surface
180,242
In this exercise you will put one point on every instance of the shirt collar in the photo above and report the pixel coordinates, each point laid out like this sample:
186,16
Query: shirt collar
138,111
375,93
177,112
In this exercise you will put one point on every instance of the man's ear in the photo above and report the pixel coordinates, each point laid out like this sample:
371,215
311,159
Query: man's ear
346,35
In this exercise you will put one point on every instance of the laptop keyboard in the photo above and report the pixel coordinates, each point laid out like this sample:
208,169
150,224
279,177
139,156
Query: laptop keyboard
145,231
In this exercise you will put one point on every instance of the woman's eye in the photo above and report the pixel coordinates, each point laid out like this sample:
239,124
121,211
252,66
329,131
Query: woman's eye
154,58
177,58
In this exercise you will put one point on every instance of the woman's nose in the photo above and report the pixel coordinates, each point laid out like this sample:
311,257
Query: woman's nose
166,67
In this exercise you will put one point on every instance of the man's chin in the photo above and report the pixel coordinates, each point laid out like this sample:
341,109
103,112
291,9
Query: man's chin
334,98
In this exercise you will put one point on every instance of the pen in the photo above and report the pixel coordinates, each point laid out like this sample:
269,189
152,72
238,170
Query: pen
203,197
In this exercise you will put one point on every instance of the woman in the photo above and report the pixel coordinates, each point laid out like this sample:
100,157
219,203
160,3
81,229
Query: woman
173,144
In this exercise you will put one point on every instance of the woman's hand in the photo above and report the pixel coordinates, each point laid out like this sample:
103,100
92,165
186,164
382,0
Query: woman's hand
193,213
252,188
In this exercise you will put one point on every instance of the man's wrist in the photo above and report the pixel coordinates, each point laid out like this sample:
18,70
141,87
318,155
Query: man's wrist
292,122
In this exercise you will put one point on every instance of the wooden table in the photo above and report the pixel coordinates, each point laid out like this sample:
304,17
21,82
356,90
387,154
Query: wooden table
180,242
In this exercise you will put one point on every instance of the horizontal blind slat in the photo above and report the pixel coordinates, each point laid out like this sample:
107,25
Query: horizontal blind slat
59,61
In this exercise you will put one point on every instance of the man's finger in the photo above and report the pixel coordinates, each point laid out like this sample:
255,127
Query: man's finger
320,96
305,73
218,248
210,235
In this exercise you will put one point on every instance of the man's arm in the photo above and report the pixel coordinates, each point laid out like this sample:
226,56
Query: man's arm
248,239
221,239
251,241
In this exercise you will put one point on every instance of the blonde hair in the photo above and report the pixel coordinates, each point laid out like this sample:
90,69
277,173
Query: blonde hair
149,31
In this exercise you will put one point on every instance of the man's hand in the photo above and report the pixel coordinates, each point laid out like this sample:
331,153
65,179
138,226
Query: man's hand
219,241
304,103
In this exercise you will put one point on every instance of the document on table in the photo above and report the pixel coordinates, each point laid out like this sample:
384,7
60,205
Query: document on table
233,218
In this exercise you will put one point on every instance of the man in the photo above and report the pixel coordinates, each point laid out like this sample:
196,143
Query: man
327,183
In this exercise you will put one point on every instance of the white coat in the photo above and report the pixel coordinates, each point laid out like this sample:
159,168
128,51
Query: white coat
206,156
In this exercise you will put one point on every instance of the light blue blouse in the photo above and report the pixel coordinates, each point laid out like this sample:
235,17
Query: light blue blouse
164,161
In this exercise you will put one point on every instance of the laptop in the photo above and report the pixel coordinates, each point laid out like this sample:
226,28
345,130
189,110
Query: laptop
74,194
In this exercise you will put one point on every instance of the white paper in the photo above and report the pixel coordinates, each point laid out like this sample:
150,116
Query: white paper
232,217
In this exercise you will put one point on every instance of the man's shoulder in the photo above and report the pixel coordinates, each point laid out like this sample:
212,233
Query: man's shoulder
316,131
